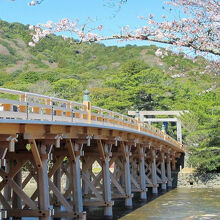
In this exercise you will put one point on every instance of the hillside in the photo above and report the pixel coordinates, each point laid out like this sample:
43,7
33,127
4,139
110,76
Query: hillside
120,79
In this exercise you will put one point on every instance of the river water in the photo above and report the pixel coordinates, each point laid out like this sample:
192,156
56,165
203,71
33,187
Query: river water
177,204
187,204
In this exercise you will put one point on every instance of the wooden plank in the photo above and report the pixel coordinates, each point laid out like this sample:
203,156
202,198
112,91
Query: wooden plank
75,180
11,174
96,179
71,215
26,181
43,185
16,200
135,182
27,213
98,203
56,165
92,187
60,197
117,185
35,153
123,150
88,163
13,171
101,150
107,181
4,202
71,153
30,203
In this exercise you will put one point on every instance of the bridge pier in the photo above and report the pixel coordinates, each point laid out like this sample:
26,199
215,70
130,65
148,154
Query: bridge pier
106,179
163,172
42,183
154,172
85,188
7,188
168,166
16,200
75,177
57,182
141,150
127,176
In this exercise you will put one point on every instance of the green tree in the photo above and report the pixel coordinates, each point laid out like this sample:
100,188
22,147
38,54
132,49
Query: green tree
67,88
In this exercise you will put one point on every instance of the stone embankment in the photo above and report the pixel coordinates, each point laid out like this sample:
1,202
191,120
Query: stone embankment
188,178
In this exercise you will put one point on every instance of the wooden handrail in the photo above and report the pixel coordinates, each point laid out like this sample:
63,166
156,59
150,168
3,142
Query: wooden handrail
67,111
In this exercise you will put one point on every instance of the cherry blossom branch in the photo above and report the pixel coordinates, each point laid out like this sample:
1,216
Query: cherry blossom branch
34,3
198,30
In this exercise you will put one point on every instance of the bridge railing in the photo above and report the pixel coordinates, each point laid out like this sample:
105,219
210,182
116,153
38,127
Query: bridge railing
31,106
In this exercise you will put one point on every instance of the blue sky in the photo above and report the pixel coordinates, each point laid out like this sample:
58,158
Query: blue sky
19,11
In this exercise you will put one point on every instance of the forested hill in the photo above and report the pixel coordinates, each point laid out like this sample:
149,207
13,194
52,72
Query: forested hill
120,79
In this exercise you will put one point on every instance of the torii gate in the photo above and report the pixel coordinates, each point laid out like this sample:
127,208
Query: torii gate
149,120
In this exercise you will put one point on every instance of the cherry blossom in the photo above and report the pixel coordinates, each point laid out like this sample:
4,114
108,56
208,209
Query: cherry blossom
198,29
33,3
209,90
159,52
65,25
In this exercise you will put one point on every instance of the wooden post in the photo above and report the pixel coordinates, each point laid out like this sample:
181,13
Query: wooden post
142,172
154,172
179,131
75,178
86,101
23,97
16,200
84,184
57,183
169,183
137,117
7,188
126,166
163,172
43,185
107,181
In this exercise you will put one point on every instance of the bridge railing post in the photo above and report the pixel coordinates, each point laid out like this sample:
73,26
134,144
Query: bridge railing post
87,103
137,118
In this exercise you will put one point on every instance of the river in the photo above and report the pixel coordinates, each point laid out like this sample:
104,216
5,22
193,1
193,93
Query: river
177,204
187,204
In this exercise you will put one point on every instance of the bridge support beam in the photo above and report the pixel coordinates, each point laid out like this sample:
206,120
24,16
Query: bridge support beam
16,200
75,178
7,188
85,188
106,180
154,173
42,183
57,183
141,151
126,165
169,178
163,172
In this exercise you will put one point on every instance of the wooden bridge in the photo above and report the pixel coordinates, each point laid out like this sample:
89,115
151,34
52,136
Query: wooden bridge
76,155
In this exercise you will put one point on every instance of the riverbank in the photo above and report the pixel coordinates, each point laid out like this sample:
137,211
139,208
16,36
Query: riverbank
188,178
